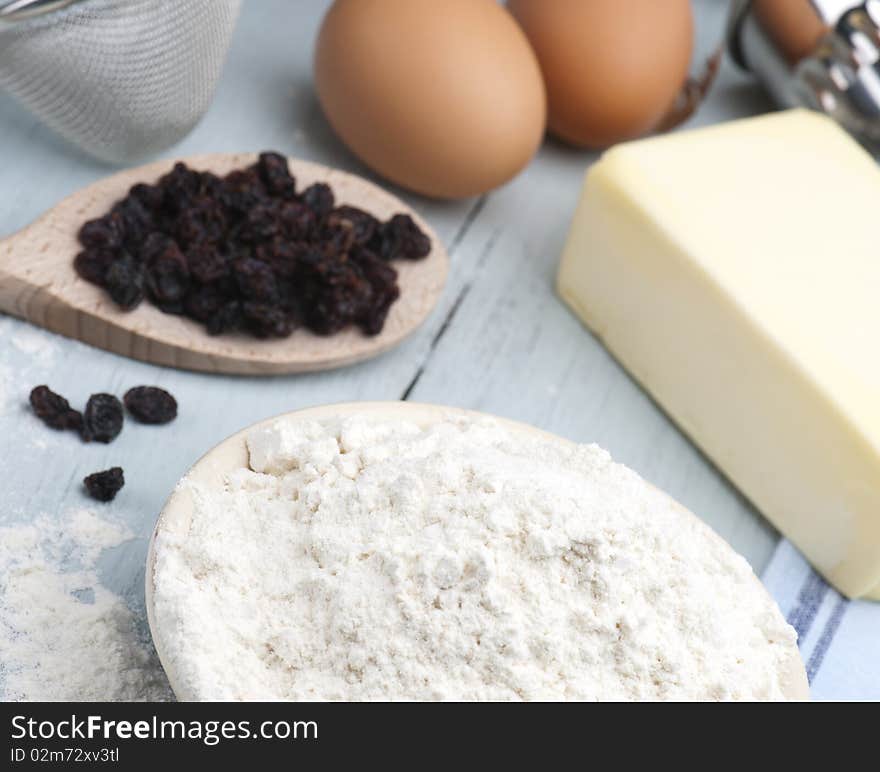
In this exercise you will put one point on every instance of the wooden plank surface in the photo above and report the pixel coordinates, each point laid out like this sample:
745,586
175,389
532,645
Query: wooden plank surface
500,340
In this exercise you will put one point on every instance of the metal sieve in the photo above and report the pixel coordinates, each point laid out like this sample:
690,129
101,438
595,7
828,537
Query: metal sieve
121,79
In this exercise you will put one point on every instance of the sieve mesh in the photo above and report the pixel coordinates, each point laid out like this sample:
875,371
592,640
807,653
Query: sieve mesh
120,79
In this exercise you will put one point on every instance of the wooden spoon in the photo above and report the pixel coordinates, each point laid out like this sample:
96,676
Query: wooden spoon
232,454
38,283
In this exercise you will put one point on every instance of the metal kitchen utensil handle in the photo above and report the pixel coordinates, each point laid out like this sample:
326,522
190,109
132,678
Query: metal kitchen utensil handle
831,10
842,77
12,11
838,74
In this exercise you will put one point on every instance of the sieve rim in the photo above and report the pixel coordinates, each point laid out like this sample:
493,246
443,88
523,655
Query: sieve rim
12,11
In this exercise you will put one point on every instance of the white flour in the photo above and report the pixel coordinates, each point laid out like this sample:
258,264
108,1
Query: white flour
63,636
362,560
39,348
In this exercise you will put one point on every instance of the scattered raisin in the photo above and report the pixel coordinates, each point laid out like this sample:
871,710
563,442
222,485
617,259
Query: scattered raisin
103,486
53,410
246,253
150,404
102,418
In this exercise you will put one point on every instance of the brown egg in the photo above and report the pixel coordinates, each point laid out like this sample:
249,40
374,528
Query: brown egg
612,68
445,98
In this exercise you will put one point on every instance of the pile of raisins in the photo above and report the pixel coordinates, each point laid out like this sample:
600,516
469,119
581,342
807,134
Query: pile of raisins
248,253
102,421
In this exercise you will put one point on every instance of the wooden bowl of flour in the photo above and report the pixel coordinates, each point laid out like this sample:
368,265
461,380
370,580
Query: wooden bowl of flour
176,522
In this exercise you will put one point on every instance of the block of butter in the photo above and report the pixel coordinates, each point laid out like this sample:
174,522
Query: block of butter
735,272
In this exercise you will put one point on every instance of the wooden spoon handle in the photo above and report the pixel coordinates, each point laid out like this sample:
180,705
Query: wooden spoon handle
29,281
23,290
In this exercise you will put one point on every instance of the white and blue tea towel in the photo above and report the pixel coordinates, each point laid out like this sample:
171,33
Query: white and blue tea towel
839,639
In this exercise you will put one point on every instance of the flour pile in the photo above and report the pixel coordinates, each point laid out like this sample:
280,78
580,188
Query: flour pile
64,636
40,348
358,559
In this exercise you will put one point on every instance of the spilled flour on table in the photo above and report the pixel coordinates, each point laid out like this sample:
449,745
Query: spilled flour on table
38,344
5,382
63,635
40,349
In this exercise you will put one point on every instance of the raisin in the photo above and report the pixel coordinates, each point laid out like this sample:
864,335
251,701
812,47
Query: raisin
93,263
242,190
383,280
337,238
124,281
203,302
340,296
152,246
204,221
373,320
362,223
179,187
227,319
319,198
256,280
207,263
260,223
402,238
150,404
102,418
174,307
107,231
167,275
53,410
103,486
210,186
375,270
296,221
137,220
150,196
273,171
284,256
267,321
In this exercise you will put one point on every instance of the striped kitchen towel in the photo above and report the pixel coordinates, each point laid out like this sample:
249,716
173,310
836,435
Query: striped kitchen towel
839,639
